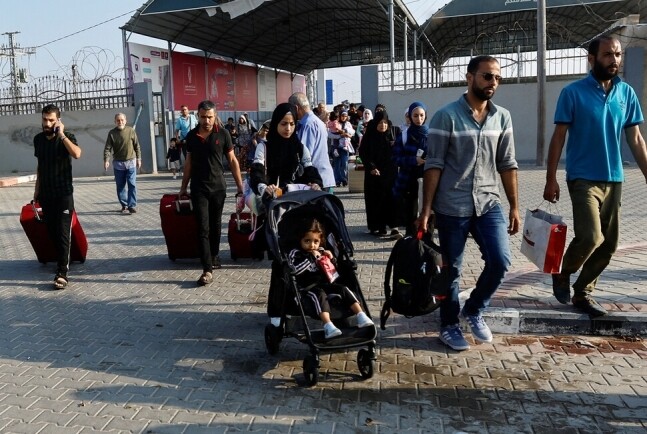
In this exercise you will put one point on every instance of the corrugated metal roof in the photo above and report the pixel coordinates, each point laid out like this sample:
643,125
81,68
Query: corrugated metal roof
293,35
465,27
302,35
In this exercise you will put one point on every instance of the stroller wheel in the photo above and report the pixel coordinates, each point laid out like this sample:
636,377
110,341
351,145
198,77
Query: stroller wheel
365,363
311,370
273,337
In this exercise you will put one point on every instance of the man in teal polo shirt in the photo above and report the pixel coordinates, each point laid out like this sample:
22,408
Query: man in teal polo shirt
594,111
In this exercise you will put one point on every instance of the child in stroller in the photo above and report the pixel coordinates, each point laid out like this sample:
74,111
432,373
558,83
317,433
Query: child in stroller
315,276
288,304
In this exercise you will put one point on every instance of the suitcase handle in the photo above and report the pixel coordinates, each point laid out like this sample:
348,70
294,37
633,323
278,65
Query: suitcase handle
181,204
33,207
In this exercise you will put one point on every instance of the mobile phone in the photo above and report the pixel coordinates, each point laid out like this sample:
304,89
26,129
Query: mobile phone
56,130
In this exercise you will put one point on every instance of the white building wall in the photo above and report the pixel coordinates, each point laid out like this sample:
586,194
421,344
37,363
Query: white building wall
90,128
519,98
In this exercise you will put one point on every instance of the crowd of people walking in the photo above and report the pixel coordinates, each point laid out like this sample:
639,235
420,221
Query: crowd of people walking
446,166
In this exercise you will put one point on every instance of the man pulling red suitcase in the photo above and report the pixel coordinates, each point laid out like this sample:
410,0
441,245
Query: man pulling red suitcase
54,148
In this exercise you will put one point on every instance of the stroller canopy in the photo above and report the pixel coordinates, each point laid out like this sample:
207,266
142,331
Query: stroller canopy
283,211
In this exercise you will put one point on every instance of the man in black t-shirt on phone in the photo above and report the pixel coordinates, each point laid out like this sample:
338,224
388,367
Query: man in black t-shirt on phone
54,148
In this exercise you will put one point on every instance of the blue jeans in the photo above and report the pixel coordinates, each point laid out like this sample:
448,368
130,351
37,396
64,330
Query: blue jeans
340,167
490,232
129,176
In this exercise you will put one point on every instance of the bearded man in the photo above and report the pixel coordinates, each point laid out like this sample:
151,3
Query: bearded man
594,111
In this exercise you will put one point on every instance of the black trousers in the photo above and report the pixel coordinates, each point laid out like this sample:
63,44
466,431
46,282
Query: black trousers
208,214
57,212
406,211
318,299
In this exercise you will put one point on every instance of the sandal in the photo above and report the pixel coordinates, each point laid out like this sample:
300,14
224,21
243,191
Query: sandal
60,281
205,279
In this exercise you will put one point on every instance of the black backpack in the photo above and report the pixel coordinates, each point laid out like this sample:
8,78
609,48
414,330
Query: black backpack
420,281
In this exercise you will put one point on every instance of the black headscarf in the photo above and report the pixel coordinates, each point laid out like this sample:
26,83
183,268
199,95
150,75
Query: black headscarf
375,149
277,116
283,156
380,116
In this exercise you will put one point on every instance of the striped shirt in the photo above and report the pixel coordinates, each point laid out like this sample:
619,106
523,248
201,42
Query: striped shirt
469,155
54,166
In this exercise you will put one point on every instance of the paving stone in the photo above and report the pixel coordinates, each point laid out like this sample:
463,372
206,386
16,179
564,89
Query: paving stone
143,349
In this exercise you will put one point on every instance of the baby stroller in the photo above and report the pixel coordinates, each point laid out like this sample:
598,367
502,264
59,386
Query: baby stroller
284,299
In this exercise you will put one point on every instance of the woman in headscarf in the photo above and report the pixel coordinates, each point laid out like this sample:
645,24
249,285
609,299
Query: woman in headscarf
361,125
409,156
245,131
283,159
379,173
280,161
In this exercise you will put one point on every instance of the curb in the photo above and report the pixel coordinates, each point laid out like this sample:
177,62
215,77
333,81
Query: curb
525,321
8,182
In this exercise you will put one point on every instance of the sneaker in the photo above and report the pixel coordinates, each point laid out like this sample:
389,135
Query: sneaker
363,320
381,232
586,304
562,287
452,336
132,210
330,331
395,234
215,263
480,330
124,210
174,176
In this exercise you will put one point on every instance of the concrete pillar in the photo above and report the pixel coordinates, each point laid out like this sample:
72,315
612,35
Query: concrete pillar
144,115
370,86
633,39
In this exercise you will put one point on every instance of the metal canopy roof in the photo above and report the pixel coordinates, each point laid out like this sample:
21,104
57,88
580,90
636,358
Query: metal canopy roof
465,27
302,35
294,35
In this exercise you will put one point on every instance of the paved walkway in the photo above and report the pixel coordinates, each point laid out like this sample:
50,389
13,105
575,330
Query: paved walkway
134,346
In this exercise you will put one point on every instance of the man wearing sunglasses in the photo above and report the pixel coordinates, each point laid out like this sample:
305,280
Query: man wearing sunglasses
469,141
594,111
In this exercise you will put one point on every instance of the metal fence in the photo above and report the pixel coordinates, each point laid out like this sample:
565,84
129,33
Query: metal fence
516,66
67,94
109,92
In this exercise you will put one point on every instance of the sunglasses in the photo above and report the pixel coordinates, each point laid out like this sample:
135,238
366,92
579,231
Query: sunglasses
488,76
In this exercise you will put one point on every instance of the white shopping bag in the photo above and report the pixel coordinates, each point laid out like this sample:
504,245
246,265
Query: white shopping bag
543,240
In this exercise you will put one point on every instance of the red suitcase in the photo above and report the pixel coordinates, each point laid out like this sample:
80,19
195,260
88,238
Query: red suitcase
31,219
239,230
179,227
